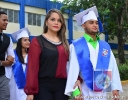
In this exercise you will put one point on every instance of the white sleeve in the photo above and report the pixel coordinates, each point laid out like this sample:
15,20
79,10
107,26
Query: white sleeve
116,82
73,71
10,52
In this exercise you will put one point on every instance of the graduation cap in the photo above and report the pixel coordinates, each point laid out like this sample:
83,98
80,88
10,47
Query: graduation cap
88,14
24,32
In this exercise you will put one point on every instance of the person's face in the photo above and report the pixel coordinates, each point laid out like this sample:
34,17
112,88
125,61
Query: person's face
3,21
91,26
25,42
54,22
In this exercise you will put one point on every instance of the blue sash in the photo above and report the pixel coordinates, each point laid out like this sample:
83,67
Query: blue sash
83,56
19,74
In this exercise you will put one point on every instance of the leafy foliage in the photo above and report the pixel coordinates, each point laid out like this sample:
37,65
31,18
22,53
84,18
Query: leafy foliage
113,14
123,70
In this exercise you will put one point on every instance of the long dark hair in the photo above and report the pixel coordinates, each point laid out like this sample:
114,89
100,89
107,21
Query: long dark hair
19,51
62,31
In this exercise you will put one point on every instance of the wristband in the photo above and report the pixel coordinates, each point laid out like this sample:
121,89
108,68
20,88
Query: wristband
76,92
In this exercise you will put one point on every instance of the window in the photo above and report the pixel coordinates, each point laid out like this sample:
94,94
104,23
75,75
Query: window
30,19
34,19
13,15
38,20
10,15
16,17
76,27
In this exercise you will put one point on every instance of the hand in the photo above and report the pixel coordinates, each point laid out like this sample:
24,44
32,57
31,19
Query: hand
10,58
79,97
115,94
79,85
30,97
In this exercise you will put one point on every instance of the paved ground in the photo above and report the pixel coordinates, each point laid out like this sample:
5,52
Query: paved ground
123,95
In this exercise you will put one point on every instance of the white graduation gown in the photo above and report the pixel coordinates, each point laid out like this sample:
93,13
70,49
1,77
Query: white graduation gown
9,52
15,93
73,72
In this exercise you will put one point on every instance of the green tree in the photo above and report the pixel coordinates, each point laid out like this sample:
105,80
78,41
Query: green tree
113,14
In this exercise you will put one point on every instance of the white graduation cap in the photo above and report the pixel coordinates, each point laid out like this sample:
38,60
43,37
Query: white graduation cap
88,14
24,32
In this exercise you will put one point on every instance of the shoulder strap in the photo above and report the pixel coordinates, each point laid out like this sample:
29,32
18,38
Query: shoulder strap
39,39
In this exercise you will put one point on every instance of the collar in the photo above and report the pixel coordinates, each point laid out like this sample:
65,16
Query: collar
90,39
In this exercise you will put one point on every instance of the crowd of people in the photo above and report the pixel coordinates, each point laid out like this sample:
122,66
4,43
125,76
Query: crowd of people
48,68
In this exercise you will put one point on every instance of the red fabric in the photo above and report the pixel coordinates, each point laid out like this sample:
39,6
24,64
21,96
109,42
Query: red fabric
62,62
33,68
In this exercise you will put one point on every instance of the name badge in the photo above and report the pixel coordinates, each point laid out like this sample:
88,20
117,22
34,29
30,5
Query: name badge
102,80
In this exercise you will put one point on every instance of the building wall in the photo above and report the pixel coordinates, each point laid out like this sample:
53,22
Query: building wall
40,8
35,30
66,22
9,5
